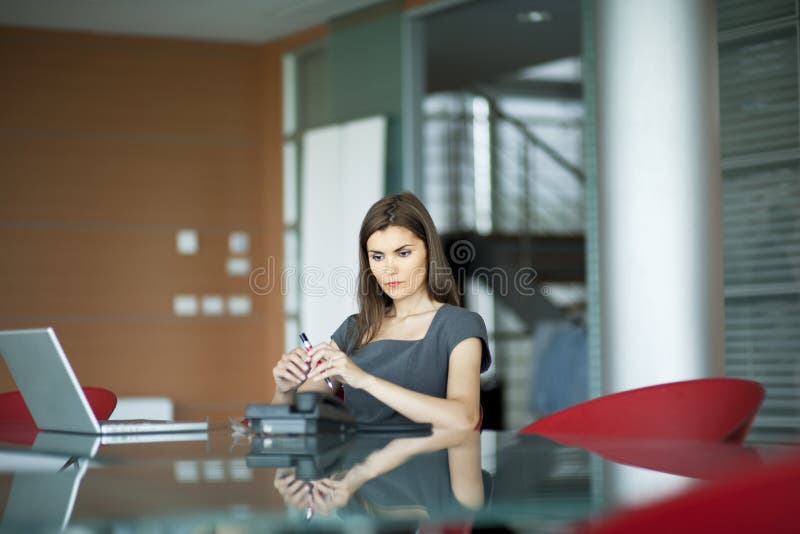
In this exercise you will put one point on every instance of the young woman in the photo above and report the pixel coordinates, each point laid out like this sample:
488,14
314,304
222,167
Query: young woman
410,354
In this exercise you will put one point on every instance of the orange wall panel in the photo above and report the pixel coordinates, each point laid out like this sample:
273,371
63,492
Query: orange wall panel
108,145
71,83
50,272
119,181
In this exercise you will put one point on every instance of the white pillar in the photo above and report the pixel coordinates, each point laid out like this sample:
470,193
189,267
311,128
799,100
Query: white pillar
660,197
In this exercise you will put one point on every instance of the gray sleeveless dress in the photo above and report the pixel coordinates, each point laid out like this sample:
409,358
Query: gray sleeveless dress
420,365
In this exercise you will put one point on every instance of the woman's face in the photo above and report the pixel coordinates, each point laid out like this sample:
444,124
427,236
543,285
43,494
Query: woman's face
399,261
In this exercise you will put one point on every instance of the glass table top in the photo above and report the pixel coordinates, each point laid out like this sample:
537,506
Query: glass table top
244,483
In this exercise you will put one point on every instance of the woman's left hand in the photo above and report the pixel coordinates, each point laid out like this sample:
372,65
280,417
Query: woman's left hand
328,361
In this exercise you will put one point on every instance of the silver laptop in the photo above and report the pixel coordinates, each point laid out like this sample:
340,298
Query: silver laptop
53,394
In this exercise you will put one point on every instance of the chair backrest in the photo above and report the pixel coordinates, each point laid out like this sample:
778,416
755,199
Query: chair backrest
712,409
101,400
13,407
760,500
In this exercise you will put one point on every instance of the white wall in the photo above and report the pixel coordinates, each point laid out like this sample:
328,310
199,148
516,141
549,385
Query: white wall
343,175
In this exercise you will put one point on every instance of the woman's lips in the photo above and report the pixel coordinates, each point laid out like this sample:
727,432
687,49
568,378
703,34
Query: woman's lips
393,284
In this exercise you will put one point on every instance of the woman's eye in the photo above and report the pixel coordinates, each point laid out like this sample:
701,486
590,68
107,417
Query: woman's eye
404,253
377,257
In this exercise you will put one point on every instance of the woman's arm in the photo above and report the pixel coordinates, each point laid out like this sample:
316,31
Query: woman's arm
400,450
460,409
466,479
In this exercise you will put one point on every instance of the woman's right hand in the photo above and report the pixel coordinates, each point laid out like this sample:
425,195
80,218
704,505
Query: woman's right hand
291,370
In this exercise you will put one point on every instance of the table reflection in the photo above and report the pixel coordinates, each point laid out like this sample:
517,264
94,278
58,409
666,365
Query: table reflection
394,478
341,483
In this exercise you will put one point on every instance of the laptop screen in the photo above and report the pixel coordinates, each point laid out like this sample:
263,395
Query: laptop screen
46,381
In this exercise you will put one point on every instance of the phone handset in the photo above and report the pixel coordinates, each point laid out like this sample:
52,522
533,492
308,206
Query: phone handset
309,401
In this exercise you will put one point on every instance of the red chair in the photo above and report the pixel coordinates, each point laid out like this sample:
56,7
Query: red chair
13,407
708,409
16,422
762,500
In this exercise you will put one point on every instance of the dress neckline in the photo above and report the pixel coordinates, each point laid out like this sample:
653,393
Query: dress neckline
430,327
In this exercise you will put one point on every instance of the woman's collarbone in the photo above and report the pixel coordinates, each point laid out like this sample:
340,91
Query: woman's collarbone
411,328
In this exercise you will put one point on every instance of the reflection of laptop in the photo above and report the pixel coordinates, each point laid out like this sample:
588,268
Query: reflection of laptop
52,391
41,499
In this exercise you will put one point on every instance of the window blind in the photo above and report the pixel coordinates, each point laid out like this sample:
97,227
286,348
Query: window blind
760,143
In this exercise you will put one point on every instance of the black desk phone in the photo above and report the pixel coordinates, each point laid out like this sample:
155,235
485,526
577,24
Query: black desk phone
310,413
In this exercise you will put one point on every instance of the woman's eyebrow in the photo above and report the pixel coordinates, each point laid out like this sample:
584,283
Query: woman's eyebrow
397,249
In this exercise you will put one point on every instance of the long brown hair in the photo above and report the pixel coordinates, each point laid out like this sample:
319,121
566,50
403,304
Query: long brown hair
405,210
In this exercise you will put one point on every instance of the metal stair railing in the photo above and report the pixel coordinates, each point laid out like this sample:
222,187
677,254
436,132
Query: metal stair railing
523,200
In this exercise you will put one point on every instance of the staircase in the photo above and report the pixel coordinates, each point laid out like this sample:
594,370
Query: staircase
520,269
508,198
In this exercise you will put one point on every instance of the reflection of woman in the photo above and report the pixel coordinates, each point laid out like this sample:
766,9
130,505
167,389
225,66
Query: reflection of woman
406,478
410,354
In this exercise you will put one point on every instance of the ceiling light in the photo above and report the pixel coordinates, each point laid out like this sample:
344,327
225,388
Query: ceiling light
533,17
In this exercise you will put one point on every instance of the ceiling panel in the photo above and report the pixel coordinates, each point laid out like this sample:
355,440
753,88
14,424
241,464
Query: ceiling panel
247,21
